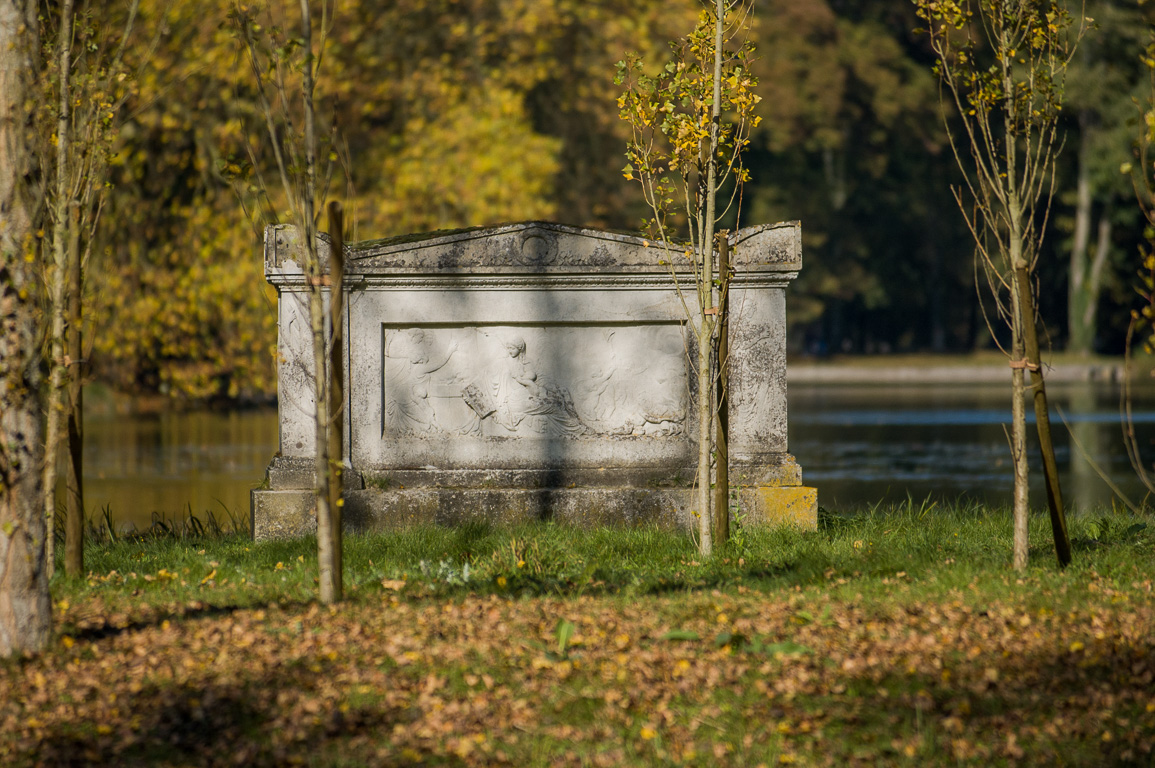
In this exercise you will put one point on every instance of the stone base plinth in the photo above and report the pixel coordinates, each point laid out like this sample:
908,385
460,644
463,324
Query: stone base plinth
290,513
282,514
781,507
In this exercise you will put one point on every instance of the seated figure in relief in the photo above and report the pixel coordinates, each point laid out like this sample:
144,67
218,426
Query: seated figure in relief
526,403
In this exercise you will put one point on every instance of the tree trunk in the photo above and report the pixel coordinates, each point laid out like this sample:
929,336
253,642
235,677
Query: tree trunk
707,303
1095,277
1016,260
1043,418
25,608
74,477
60,212
336,391
705,435
1079,337
1019,320
1021,504
722,453
328,586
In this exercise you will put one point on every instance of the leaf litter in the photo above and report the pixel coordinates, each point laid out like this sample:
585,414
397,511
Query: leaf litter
810,676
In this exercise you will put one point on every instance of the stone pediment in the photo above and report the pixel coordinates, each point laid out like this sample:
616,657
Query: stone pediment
529,248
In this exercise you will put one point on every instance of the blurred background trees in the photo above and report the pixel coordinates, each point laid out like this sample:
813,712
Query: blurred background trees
471,112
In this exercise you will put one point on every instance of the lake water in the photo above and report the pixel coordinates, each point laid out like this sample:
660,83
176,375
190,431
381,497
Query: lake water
174,463
857,444
860,445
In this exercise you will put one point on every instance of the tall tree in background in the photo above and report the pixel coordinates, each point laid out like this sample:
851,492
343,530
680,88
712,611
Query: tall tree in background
290,121
428,92
856,150
25,608
1141,173
1105,78
687,158
1004,63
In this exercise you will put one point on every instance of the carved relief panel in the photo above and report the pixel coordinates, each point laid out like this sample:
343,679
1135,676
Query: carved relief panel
540,381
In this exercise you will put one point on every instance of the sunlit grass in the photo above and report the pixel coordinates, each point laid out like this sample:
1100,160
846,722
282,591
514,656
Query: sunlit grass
939,547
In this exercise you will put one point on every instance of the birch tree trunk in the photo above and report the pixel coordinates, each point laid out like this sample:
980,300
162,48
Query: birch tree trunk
25,608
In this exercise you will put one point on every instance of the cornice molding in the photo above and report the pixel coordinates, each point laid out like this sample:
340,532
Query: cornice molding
534,282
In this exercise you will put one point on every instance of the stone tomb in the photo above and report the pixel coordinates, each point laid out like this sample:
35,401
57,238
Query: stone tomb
530,371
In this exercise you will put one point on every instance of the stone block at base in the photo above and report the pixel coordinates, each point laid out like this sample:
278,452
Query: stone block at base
781,507
288,514
283,514
374,509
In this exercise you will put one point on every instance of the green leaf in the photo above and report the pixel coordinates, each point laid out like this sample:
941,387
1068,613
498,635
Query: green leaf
735,640
681,635
1134,529
564,633
786,648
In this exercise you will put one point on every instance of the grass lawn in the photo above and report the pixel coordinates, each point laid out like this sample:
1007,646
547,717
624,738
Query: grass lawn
899,636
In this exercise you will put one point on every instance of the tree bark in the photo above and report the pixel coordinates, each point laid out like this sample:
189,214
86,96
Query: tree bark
1043,418
1086,272
707,301
1016,260
25,607
74,476
328,581
1095,282
705,429
60,213
1021,503
336,391
722,399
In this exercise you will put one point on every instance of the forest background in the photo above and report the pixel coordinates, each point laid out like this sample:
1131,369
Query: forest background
457,113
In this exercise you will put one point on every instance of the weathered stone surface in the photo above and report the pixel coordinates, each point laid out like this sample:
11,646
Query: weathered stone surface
492,369
281,514
791,507
375,509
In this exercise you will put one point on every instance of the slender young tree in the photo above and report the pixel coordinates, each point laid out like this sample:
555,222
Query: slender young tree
88,84
1004,62
690,125
25,608
274,57
60,273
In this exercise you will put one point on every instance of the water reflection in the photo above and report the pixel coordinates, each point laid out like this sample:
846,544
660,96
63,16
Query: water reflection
860,445
176,462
